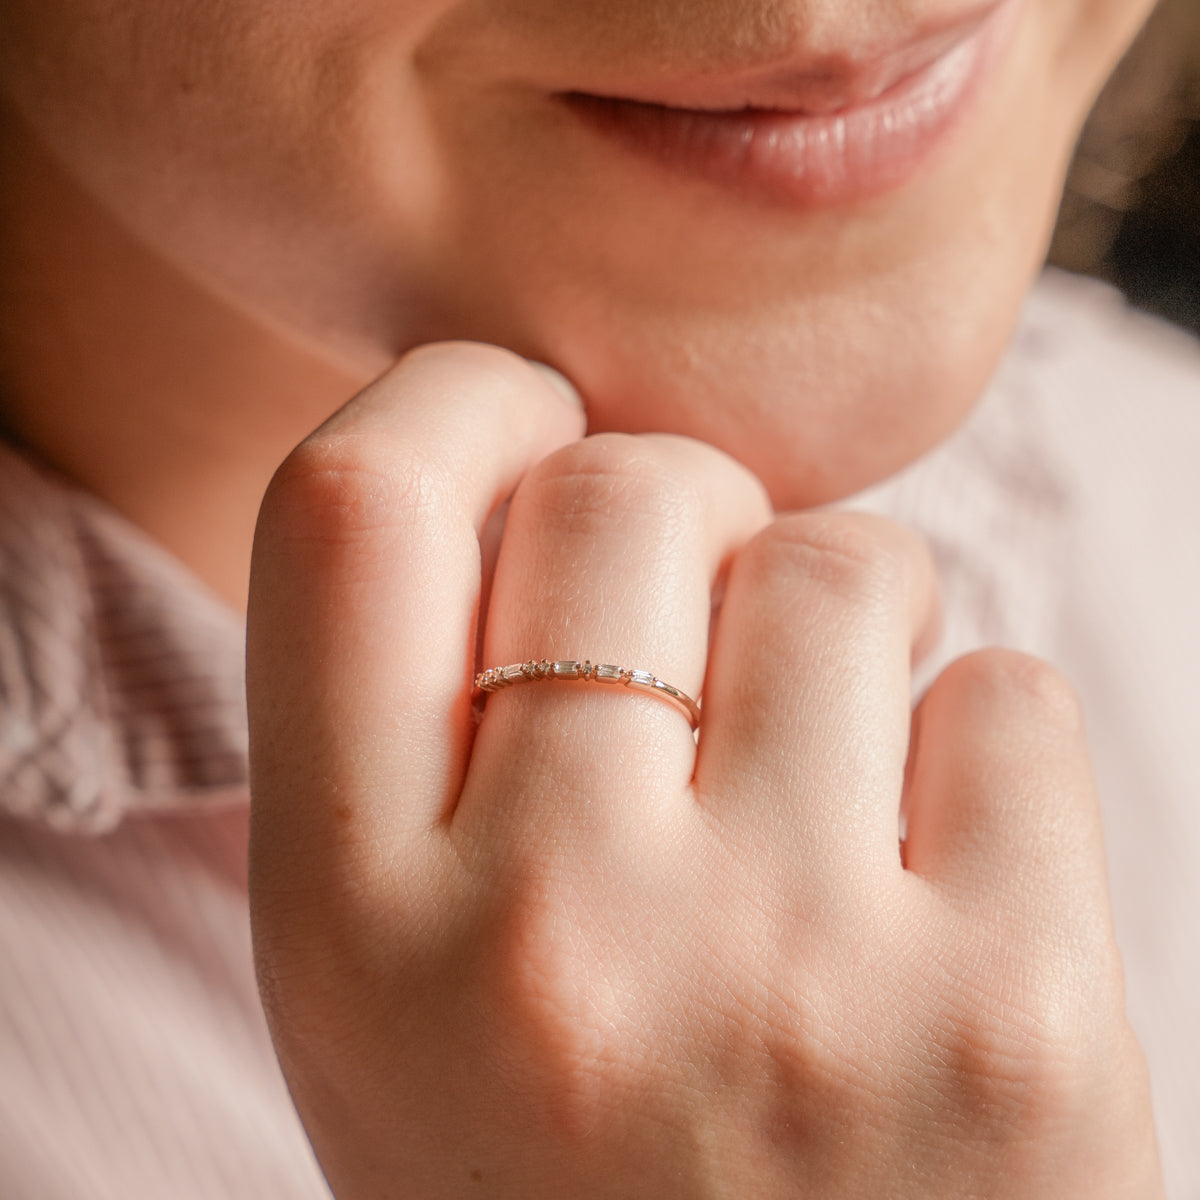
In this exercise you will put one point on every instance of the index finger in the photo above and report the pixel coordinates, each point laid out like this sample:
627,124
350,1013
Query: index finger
364,597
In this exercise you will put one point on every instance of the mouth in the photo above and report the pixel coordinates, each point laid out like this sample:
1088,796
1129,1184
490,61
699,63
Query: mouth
812,134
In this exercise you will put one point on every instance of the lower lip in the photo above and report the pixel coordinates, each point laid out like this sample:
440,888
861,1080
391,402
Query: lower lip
813,160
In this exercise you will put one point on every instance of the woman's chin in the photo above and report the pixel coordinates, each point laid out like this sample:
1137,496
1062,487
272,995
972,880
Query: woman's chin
807,449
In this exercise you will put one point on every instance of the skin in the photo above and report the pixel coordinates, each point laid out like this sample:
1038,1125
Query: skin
437,192
570,952
577,955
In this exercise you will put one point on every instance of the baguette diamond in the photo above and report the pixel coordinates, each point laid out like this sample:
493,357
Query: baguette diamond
566,670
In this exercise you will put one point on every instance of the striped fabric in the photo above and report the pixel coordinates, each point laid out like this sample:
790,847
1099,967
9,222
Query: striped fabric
134,1061
121,677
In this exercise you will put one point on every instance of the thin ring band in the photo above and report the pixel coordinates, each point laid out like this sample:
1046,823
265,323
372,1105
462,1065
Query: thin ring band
498,678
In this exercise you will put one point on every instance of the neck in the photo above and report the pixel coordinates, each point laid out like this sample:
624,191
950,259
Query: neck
137,383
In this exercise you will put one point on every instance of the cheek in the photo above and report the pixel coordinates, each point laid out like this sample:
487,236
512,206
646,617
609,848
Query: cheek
275,150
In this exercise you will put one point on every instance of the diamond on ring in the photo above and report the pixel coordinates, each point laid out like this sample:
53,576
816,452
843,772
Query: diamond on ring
496,679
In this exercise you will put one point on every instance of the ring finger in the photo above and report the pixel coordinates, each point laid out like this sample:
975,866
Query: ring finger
610,554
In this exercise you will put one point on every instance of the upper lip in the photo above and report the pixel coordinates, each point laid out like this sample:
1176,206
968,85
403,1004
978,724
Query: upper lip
808,83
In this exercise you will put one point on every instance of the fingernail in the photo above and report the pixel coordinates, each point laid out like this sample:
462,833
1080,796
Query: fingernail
559,382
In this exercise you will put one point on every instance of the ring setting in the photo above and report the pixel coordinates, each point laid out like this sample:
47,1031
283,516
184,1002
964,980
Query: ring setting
497,679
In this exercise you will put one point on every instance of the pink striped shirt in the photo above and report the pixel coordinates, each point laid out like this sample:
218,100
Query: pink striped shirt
134,1061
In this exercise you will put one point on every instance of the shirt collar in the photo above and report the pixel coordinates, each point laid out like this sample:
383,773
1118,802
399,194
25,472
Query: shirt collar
121,675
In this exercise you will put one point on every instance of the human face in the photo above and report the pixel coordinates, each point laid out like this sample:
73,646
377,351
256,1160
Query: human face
823,298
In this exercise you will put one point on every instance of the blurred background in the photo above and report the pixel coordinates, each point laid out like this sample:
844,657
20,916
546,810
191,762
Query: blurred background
1131,214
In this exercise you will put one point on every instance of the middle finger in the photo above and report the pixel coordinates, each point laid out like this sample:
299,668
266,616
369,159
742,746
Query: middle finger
808,714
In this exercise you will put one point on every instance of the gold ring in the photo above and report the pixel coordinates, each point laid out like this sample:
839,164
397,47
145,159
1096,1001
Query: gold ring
567,670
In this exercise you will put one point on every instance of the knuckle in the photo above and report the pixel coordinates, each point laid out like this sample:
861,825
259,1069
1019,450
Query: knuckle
555,1020
611,476
340,491
720,473
1018,1070
816,1069
1023,1045
1007,678
851,557
827,1069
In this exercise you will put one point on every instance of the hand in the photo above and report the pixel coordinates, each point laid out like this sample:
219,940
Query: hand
575,955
